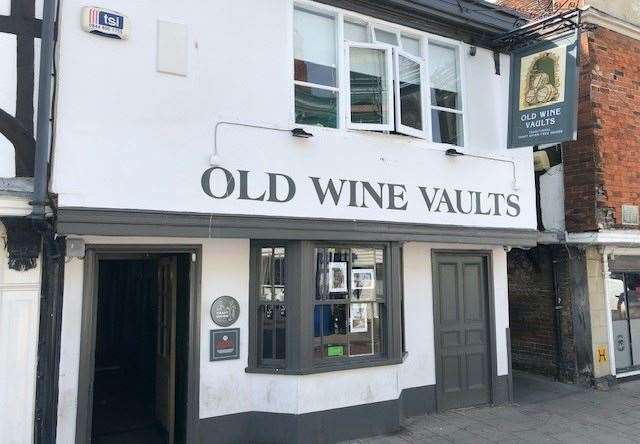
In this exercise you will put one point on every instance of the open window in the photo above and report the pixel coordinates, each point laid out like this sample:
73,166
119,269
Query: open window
409,92
370,87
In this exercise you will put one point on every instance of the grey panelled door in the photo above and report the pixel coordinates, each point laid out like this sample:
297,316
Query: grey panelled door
461,316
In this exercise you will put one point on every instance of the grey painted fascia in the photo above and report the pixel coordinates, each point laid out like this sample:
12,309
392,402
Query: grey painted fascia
110,222
473,21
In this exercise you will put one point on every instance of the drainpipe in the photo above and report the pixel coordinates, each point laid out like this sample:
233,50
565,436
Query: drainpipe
45,420
43,135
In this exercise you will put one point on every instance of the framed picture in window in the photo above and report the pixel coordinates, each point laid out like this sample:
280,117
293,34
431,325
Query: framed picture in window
337,277
358,318
363,279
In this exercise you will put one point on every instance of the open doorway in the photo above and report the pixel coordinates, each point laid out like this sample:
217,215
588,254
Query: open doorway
140,370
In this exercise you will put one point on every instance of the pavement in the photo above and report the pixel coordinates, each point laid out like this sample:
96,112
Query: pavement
543,411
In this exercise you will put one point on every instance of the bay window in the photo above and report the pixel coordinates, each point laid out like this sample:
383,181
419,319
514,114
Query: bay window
272,309
324,306
351,73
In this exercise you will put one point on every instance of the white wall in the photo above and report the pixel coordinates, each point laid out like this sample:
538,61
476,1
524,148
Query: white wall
8,80
552,199
225,387
19,320
115,110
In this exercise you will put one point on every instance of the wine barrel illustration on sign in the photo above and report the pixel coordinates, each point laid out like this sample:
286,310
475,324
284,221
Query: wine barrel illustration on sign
542,78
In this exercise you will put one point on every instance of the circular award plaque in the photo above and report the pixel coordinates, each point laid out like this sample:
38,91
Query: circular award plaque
225,311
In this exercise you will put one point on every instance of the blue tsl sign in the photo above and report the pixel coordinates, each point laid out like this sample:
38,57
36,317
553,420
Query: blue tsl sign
109,19
105,22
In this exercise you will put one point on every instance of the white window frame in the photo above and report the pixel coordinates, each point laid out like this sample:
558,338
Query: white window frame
456,48
388,51
400,128
344,98
338,27
384,28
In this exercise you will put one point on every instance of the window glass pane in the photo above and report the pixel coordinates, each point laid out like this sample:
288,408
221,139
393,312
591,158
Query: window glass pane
367,272
316,106
364,329
411,45
355,32
633,295
410,93
386,37
447,127
617,300
279,273
330,331
618,307
266,267
280,327
369,86
332,273
314,48
444,76
267,328
271,308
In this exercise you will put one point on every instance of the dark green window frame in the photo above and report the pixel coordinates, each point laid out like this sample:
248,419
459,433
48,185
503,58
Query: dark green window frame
300,290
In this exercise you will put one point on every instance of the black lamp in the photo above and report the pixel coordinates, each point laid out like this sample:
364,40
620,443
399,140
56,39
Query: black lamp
300,132
452,152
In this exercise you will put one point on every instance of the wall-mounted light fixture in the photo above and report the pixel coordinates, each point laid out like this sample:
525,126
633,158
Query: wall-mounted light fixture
300,132
214,160
472,51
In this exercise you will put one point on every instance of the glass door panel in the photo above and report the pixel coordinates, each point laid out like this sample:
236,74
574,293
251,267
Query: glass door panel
619,316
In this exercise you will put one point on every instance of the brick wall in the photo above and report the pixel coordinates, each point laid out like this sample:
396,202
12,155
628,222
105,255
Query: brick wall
615,96
538,8
532,303
582,161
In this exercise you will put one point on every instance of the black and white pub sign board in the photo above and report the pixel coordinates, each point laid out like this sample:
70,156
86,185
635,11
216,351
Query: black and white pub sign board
543,92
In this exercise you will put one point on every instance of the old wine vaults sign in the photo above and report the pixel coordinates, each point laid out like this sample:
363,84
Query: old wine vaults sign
543,92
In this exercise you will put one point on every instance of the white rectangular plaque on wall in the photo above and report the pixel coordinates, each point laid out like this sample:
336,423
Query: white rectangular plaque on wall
172,48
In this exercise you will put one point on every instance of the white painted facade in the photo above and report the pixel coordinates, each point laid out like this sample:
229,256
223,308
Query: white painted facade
19,320
226,263
129,137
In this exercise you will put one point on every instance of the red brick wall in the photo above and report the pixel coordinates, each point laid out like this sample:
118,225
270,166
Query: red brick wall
582,164
615,95
602,168
537,8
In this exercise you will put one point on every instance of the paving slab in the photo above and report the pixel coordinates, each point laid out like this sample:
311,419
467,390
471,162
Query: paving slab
543,411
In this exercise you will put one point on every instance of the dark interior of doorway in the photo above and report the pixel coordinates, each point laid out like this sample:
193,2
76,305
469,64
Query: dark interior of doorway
124,389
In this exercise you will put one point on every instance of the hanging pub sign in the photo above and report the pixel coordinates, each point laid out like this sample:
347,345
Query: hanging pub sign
543,92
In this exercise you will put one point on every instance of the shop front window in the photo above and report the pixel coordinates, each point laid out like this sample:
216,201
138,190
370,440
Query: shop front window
272,310
624,304
319,307
349,303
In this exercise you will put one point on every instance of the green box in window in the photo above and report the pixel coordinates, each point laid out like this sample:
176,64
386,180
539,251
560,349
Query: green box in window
335,350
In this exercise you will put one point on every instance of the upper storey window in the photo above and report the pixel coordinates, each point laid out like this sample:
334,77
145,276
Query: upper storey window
315,69
351,73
